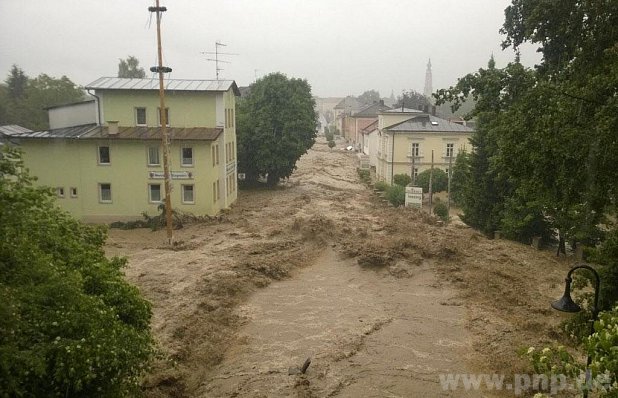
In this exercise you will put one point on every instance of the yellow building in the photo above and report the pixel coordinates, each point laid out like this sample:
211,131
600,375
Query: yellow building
409,136
111,167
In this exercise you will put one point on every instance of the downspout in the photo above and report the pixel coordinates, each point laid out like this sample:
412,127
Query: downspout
98,100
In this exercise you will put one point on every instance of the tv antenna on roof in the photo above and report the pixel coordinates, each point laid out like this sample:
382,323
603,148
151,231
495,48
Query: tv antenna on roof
216,59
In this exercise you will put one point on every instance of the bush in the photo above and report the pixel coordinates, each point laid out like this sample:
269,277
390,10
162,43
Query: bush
396,194
329,136
440,180
441,210
402,179
70,325
380,186
364,175
331,144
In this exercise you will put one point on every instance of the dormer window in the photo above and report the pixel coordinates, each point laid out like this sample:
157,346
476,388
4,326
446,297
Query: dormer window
140,116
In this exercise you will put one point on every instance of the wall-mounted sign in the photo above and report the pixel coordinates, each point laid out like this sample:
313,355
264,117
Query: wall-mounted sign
176,175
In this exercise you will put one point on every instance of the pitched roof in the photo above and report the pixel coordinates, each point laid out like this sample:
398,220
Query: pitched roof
427,123
119,83
349,103
402,110
372,127
13,129
371,110
92,131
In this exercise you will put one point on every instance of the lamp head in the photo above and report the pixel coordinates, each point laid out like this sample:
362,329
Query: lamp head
566,303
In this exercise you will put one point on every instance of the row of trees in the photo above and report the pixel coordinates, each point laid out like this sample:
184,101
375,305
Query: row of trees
545,147
23,99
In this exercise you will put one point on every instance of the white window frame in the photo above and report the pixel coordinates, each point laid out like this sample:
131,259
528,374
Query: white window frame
60,192
183,188
101,200
149,159
109,155
182,157
415,149
137,123
450,146
73,192
150,198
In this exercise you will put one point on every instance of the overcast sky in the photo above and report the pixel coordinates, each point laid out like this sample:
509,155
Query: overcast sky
340,46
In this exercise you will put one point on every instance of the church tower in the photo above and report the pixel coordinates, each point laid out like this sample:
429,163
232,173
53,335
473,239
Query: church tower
428,82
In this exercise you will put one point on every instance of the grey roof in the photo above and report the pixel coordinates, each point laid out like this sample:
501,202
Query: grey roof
371,110
93,131
119,83
404,110
427,123
372,127
13,129
349,103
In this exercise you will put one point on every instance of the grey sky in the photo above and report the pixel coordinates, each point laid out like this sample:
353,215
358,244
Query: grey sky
340,46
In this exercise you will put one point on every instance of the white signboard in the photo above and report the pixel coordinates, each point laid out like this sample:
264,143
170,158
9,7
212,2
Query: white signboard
176,175
414,196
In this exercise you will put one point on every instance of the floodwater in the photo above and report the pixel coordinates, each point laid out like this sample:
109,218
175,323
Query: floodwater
368,334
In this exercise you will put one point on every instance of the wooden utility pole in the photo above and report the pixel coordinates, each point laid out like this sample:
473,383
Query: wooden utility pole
163,117
431,184
412,175
448,191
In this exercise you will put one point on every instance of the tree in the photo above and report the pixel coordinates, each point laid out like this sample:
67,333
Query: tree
70,325
129,68
369,97
24,103
276,125
402,179
412,99
460,177
439,182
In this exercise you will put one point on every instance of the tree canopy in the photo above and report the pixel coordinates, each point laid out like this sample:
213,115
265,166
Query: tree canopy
545,147
411,99
369,97
276,125
129,68
70,325
23,100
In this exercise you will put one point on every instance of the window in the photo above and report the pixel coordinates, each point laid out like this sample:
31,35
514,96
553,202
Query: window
60,192
154,193
73,192
153,156
218,191
187,194
415,172
104,155
450,148
215,154
187,156
167,116
105,193
415,149
216,195
140,116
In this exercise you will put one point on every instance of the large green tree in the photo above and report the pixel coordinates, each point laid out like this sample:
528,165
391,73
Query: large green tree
70,325
411,99
129,68
276,125
23,100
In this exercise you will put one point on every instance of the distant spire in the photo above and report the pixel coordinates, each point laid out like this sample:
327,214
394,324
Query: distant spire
428,82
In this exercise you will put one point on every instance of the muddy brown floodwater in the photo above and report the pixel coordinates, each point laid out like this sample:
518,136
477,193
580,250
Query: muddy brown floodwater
382,300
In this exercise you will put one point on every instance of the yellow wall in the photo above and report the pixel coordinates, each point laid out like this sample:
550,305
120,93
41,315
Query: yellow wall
428,141
186,108
73,163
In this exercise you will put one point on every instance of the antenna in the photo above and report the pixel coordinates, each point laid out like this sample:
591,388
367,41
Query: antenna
216,59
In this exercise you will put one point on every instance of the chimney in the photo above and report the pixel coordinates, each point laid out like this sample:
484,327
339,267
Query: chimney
112,127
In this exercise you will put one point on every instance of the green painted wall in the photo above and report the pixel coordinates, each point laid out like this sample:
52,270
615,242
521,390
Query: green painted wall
186,108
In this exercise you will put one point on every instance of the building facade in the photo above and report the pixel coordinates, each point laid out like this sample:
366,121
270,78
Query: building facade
112,169
407,138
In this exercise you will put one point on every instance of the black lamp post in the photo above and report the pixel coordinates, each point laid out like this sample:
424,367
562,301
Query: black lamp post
566,304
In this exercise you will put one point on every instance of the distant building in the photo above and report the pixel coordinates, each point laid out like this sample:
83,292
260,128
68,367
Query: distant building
342,111
105,161
363,118
407,134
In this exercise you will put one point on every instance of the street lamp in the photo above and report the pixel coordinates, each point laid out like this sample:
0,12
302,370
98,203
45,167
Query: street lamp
566,304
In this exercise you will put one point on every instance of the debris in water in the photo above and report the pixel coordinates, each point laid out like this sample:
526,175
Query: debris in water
295,370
